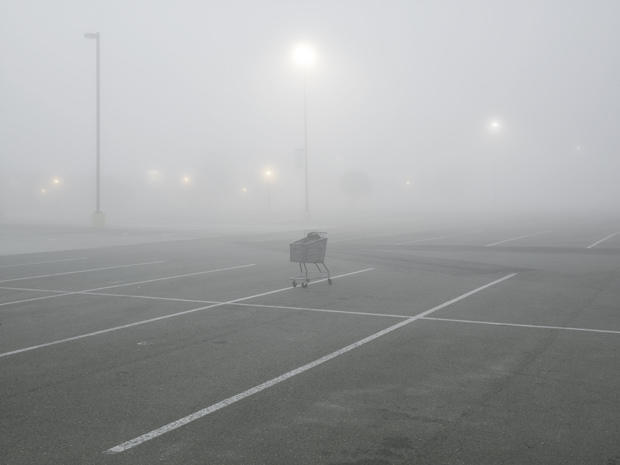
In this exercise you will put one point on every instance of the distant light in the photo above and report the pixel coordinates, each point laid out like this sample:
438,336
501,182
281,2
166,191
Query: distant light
43,191
244,189
186,179
407,182
494,124
268,173
304,55
56,181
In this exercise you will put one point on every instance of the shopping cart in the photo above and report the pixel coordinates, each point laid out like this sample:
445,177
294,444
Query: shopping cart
310,249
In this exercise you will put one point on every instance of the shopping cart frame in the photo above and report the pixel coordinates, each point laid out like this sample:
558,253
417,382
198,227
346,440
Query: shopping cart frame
310,249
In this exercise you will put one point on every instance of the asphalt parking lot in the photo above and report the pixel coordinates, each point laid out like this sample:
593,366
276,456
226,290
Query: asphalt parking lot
447,343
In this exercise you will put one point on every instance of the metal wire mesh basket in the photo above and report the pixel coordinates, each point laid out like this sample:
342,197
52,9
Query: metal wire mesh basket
310,249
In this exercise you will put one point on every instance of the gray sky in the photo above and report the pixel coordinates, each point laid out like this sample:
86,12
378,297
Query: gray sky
402,90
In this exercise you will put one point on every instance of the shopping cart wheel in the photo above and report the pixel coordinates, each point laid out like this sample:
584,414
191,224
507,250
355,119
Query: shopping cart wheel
304,284
294,283
329,280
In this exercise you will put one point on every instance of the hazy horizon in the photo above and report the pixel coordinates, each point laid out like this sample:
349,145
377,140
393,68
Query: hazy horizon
475,105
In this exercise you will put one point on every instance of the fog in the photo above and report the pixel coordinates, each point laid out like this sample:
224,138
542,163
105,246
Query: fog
412,106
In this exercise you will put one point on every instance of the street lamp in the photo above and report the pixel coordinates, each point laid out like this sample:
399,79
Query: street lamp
305,57
98,218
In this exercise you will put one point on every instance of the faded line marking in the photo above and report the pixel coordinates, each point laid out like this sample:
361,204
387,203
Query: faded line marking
524,326
36,298
41,263
169,277
168,299
164,317
439,237
515,238
91,291
231,400
283,307
597,243
33,290
82,271
324,310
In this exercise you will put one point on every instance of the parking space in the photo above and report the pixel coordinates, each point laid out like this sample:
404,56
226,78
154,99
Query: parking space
413,350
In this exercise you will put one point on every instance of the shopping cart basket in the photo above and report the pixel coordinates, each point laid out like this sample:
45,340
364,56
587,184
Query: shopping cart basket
310,249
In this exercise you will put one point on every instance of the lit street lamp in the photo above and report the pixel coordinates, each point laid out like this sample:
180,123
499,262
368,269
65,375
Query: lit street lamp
98,218
305,57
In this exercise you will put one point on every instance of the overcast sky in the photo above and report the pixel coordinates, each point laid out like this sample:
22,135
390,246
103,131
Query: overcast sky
401,90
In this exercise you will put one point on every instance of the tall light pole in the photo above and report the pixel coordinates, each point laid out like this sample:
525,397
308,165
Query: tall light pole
495,128
98,218
268,174
305,57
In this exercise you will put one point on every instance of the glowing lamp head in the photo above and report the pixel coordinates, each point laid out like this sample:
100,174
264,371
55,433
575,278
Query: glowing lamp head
304,55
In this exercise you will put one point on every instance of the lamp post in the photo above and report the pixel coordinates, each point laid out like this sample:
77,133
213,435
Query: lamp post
98,218
495,128
268,174
305,57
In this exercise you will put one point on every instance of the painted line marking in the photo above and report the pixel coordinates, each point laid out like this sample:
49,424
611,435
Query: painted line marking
439,237
231,400
324,310
32,290
524,326
282,307
36,298
515,238
168,299
41,263
122,285
596,243
169,277
164,317
82,271
173,299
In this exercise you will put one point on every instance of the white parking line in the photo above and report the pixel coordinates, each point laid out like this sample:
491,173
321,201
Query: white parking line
515,238
525,326
231,400
33,290
41,263
168,299
36,298
597,243
172,315
169,277
283,307
123,285
324,310
82,271
439,237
